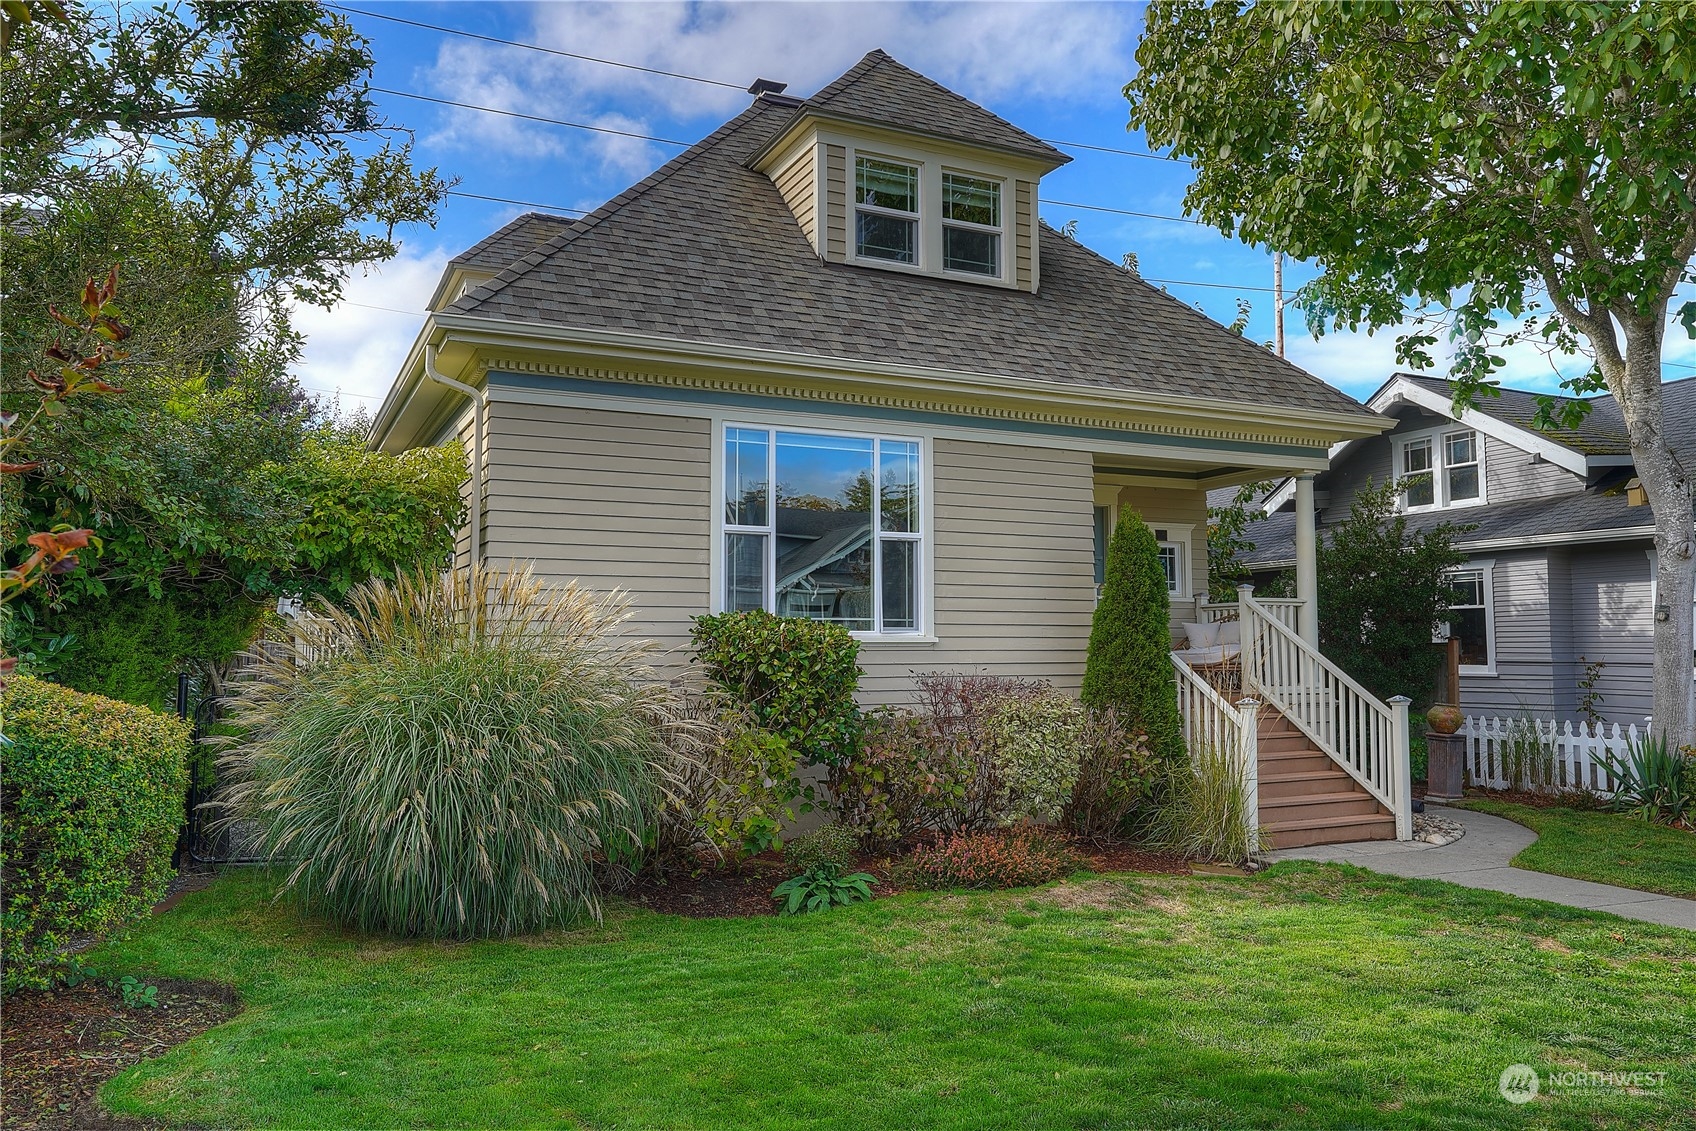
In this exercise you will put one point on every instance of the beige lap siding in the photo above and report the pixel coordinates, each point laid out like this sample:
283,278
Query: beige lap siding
1014,578
614,500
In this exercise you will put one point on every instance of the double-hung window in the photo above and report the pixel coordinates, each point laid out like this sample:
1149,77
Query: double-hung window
1173,545
1441,468
971,224
1472,620
886,210
823,525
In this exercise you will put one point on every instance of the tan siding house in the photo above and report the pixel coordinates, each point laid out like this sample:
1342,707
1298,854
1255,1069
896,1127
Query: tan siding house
918,420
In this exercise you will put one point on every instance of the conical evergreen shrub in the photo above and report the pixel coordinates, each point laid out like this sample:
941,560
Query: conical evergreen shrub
1130,640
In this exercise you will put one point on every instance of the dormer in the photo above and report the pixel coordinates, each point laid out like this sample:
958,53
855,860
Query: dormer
886,170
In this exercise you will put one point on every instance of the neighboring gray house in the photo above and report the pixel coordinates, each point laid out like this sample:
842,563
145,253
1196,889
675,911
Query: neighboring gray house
1561,563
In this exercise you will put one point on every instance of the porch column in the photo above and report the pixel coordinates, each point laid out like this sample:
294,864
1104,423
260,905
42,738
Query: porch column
1307,566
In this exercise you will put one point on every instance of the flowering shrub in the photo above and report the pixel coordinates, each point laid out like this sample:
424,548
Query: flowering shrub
1009,859
1035,745
1117,775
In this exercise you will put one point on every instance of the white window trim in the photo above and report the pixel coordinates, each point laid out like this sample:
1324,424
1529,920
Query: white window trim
1002,232
929,259
917,216
1181,536
1487,567
776,422
1439,467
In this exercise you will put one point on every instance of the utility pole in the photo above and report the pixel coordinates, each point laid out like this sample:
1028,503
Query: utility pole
1278,303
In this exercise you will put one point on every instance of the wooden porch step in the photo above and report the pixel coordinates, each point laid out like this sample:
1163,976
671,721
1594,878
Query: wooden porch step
1337,803
1276,782
1329,830
1298,762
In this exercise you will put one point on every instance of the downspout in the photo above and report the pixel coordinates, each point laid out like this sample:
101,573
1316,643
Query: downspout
477,408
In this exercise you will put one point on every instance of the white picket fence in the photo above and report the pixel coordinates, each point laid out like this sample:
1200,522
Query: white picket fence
1541,755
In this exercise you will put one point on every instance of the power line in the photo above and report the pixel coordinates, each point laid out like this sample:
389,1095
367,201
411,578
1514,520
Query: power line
1193,283
1124,212
673,74
537,47
530,117
521,203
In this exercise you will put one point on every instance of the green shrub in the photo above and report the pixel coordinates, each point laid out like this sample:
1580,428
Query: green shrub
1007,858
956,710
1117,775
820,889
455,756
828,846
1205,813
798,676
93,799
1129,665
1036,745
902,780
748,788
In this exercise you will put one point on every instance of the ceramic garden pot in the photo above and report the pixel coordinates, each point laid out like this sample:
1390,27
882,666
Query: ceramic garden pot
1445,719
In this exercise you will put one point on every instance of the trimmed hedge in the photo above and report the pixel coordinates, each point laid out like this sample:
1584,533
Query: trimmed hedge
797,676
1130,642
93,801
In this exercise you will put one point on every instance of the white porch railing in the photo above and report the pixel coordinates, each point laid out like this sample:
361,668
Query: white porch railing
1541,755
1209,719
1285,610
1367,738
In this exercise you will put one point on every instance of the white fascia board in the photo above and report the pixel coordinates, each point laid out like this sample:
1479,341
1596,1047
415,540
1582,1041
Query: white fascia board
1402,391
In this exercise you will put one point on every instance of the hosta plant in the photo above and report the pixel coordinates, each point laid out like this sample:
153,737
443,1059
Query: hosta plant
821,888
454,755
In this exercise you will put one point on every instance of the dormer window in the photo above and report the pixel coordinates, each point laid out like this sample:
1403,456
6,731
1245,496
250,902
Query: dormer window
886,210
971,224
1457,481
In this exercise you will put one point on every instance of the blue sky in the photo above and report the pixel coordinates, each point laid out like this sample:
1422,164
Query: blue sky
1055,69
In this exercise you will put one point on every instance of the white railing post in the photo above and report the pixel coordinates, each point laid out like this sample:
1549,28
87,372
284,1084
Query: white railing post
1248,719
1401,767
1248,643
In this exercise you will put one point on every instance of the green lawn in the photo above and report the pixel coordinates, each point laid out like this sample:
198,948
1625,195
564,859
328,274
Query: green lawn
1605,848
1309,996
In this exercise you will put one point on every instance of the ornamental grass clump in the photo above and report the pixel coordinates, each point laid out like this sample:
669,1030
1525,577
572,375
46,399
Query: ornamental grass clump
455,756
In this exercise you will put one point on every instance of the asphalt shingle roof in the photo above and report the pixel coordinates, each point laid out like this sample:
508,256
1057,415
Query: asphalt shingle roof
1602,432
879,89
499,249
1576,513
705,250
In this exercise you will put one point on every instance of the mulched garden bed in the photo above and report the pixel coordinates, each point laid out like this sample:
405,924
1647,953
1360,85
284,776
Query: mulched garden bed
59,1046
715,890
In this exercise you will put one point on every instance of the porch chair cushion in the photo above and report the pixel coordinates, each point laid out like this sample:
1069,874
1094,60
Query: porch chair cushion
1229,633
1201,635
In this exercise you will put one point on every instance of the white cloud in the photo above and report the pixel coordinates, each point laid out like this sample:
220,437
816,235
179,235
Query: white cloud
355,348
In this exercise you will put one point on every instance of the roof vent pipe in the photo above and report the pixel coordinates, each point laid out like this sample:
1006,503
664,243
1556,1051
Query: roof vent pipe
767,86
477,405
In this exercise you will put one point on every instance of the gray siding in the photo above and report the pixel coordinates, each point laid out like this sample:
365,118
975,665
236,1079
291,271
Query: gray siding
1612,622
1525,666
1511,473
613,500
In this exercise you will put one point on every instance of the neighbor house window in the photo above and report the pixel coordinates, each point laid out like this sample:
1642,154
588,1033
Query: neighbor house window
886,210
971,224
1472,620
1440,468
823,525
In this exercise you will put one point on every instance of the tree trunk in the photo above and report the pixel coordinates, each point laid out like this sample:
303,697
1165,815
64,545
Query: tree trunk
1670,489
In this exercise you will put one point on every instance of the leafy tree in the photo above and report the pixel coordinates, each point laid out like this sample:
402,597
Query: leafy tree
1382,588
1228,528
1129,666
1521,172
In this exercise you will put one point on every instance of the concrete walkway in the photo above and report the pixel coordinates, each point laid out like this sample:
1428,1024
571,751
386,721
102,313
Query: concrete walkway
1480,860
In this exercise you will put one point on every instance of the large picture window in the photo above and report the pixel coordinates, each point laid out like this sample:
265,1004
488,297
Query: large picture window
823,525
